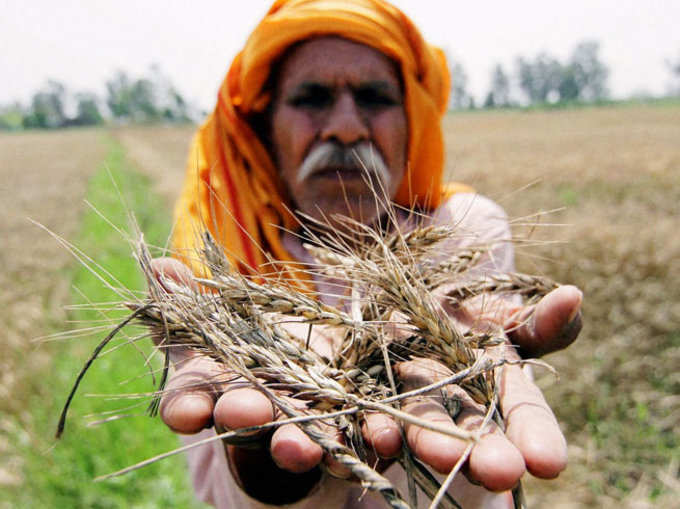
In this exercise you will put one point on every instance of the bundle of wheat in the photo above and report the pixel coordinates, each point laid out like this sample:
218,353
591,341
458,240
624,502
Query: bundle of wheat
392,283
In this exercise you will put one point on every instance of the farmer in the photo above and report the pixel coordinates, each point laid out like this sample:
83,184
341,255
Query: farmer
323,91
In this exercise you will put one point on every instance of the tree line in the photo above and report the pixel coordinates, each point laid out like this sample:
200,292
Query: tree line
674,68
544,80
152,97
145,99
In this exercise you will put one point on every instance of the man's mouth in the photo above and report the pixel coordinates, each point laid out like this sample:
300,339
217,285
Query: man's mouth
335,172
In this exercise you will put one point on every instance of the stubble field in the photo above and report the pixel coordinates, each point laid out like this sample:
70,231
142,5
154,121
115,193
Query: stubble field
615,175
611,176
39,182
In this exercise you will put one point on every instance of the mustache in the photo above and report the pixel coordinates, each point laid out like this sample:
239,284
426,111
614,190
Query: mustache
360,157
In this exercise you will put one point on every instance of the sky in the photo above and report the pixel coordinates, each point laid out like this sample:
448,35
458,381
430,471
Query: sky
81,43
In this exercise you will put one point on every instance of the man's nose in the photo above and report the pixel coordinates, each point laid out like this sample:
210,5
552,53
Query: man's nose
345,123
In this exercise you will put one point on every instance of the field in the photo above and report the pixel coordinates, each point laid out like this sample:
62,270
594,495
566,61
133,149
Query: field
615,174
610,178
37,183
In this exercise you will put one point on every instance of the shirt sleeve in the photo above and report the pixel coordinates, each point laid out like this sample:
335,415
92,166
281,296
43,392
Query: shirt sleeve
478,222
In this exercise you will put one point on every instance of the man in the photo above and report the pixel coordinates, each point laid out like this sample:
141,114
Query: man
319,86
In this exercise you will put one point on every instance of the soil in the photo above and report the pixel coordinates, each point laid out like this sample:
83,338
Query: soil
43,178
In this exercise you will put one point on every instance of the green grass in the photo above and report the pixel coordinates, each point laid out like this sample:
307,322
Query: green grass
60,473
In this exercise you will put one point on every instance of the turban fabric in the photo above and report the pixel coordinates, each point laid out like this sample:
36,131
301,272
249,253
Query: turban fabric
232,186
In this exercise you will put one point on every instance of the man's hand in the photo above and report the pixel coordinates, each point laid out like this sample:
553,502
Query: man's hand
199,396
532,439
287,458
552,324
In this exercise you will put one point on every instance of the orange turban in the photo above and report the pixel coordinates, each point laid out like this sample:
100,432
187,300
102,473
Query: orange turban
232,186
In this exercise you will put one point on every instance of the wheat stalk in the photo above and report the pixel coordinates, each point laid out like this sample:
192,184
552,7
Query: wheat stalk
235,320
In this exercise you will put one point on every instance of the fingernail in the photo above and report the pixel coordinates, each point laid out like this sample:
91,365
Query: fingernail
573,326
577,308
573,316
475,482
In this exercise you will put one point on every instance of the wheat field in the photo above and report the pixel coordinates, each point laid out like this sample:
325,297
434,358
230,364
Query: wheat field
39,183
610,180
615,175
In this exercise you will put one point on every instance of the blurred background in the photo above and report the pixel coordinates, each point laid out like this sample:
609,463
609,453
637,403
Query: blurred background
567,114
501,54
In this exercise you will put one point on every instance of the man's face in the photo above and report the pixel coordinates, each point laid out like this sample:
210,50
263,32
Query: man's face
336,100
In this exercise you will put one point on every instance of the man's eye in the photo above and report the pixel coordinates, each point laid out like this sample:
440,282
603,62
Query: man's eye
374,98
317,97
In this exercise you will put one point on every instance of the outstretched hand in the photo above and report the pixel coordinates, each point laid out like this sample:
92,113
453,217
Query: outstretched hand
552,324
200,395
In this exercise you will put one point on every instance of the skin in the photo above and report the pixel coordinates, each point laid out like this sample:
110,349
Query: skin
334,90
341,113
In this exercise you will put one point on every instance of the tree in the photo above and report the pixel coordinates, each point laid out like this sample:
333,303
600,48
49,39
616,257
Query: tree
674,69
585,77
11,117
582,78
87,110
540,79
118,97
177,109
499,94
47,107
171,105
459,98
150,98
569,86
143,101
132,100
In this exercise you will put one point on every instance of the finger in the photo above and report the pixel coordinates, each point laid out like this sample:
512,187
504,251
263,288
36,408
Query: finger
294,451
242,407
439,451
189,396
553,324
334,467
170,269
531,425
382,435
495,462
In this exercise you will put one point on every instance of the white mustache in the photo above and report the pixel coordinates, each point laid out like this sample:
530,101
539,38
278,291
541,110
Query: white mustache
363,157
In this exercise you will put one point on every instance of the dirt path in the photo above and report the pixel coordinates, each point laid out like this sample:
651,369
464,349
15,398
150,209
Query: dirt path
43,176
160,152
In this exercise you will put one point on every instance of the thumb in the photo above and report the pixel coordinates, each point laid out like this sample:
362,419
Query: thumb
552,324
168,269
